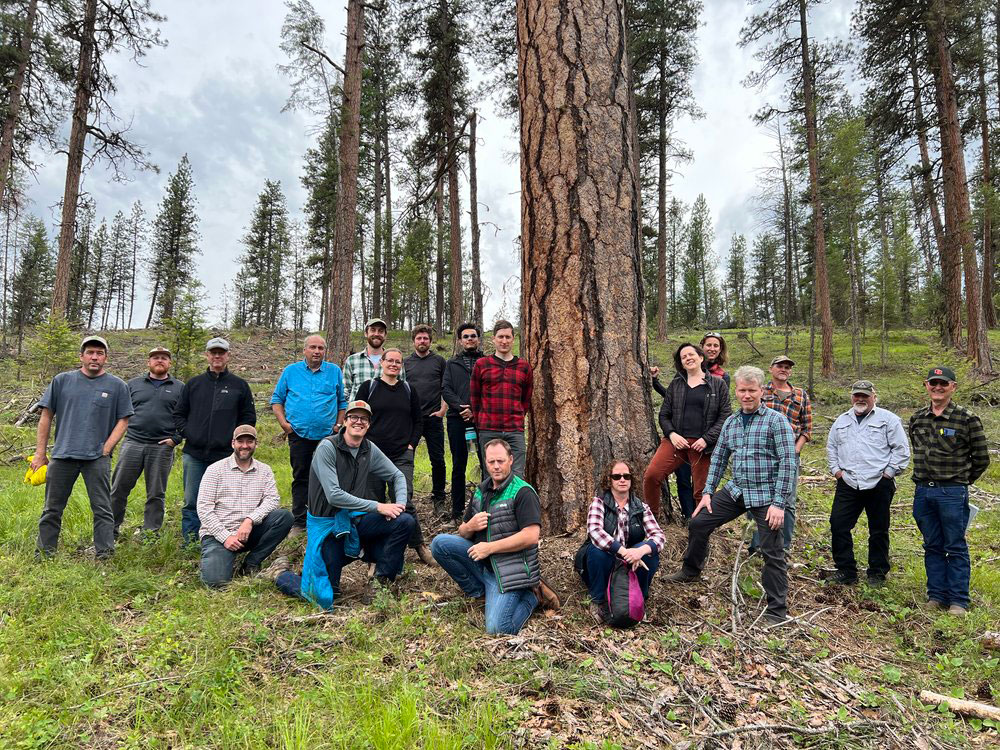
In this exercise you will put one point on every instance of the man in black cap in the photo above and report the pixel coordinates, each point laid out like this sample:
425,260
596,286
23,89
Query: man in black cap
148,448
211,406
866,450
949,453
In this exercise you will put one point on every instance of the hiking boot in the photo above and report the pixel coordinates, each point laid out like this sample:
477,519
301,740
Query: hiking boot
841,579
276,568
442,508
600,612
547,598
958,610
876,582
425,556
772,619
934,604
681,577
295,532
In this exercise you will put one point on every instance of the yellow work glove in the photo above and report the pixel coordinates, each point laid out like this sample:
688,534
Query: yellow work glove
38,478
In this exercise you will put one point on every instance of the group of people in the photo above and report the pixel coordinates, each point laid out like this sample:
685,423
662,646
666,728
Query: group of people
352,435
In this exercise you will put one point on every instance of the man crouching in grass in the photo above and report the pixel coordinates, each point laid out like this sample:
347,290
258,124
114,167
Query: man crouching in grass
238,506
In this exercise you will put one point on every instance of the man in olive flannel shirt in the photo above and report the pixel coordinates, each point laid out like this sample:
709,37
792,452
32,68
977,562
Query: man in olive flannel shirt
949,453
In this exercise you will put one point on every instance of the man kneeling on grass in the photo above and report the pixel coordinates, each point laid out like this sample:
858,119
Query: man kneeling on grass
342,523
238,507
495,553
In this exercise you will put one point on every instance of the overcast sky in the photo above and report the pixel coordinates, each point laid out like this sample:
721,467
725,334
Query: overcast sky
214,93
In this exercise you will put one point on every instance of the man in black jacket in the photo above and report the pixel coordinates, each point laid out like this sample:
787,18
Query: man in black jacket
461,428
425,371
210,408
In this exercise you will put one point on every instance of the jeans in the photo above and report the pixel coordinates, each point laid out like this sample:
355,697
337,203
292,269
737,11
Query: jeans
847,506
725,508
789,512
942,513
134,459
382,540
194,470
600,564
459,463
516,442
377,489
685,490
217,562
505,612
60,477
665,462
433,432
300,455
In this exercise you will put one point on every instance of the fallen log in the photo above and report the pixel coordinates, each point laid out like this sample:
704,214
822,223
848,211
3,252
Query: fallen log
962,707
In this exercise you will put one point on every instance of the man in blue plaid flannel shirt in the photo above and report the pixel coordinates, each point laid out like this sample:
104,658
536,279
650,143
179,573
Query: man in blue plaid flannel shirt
762,445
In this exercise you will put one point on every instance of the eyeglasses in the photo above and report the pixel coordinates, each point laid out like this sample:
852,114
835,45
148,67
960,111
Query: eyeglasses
470,335
396,362
359,418
616,477
938,383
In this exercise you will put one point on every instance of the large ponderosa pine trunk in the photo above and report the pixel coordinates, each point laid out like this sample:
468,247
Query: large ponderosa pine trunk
338,324
475,270
583,328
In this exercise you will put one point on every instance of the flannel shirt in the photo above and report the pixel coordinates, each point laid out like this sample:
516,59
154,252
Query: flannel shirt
949,448
358,368
228,495
500,393
603,540
795,405
763,455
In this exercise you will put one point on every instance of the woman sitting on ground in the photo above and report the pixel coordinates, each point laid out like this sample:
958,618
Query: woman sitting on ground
694,409
619,526
714,347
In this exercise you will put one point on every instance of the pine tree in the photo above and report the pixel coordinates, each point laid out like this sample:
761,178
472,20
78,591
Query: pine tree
321,179
31,285
267,242
171,264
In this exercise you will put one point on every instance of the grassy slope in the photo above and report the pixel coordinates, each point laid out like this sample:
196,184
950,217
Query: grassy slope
135,653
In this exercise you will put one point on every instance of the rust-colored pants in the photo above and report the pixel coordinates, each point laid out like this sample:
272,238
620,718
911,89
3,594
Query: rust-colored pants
665,462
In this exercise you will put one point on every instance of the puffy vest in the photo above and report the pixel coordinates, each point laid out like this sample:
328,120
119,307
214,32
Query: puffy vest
352,475
514,570
636,529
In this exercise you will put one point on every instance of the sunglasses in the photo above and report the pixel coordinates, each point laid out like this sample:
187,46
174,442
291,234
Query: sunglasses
713,335
941,383
470,335
616,477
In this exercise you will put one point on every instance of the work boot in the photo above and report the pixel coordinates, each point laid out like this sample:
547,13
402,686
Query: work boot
958,610
425,556
276,568
681,577
547,598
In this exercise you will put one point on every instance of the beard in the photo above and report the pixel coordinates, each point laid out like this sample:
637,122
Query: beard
860,409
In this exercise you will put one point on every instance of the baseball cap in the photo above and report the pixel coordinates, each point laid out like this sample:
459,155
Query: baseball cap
942,373
359,406
863,386
376,322
217,343
782,358
245,429
159,350
93,340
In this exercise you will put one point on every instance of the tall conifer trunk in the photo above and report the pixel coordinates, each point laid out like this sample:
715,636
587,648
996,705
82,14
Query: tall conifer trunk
475,270
14,96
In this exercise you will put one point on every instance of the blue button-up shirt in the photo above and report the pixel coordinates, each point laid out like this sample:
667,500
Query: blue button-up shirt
867,450
311,398
763,454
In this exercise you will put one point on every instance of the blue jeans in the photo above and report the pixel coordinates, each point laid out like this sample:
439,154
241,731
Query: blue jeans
942,513
194,470
217,562
601,563
505,612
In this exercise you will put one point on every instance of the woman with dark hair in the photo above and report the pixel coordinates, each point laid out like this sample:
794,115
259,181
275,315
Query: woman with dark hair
695,406
619,526
714,347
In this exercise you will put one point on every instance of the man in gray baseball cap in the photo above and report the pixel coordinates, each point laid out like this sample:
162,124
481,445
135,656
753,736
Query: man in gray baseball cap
866,450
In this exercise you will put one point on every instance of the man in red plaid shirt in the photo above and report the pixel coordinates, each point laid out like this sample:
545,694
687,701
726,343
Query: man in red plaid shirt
499,394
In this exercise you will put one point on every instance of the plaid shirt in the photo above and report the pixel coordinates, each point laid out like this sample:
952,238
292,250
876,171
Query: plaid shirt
603,540
795,405
500,393
949,448
228,495
358,368
763,459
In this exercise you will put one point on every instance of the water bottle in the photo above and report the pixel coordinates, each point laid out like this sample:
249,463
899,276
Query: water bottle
470,434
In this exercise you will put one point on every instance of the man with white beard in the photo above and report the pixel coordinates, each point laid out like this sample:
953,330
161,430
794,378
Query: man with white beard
866,450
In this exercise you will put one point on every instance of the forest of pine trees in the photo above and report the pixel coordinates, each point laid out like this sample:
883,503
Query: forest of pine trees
874,209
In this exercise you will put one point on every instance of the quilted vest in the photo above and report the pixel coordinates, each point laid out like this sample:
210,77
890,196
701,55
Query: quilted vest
514,570
636,529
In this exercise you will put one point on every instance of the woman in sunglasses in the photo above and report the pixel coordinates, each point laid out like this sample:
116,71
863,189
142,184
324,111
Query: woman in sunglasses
619,526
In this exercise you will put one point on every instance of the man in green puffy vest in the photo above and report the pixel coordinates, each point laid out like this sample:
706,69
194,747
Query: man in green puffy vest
494,556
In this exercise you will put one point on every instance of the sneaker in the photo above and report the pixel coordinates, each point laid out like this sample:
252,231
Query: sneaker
841,579
772,619
296,531
934,604
600,612
681,577
547,597
425,556
958,610
276,568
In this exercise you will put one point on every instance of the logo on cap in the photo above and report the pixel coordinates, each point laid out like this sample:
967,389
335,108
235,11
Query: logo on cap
938,371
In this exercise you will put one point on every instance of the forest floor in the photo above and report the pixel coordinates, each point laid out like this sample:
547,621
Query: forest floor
135,653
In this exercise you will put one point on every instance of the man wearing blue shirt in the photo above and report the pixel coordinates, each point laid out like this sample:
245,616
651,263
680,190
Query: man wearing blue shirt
309,402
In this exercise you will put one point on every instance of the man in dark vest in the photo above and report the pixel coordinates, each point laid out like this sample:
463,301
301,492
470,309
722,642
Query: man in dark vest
342,523
495,553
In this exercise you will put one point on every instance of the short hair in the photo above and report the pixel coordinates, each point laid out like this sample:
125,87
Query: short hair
501,442
677,357
723,352
392,349
313,336
501,325
606,474
422,328
465,327
749,374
